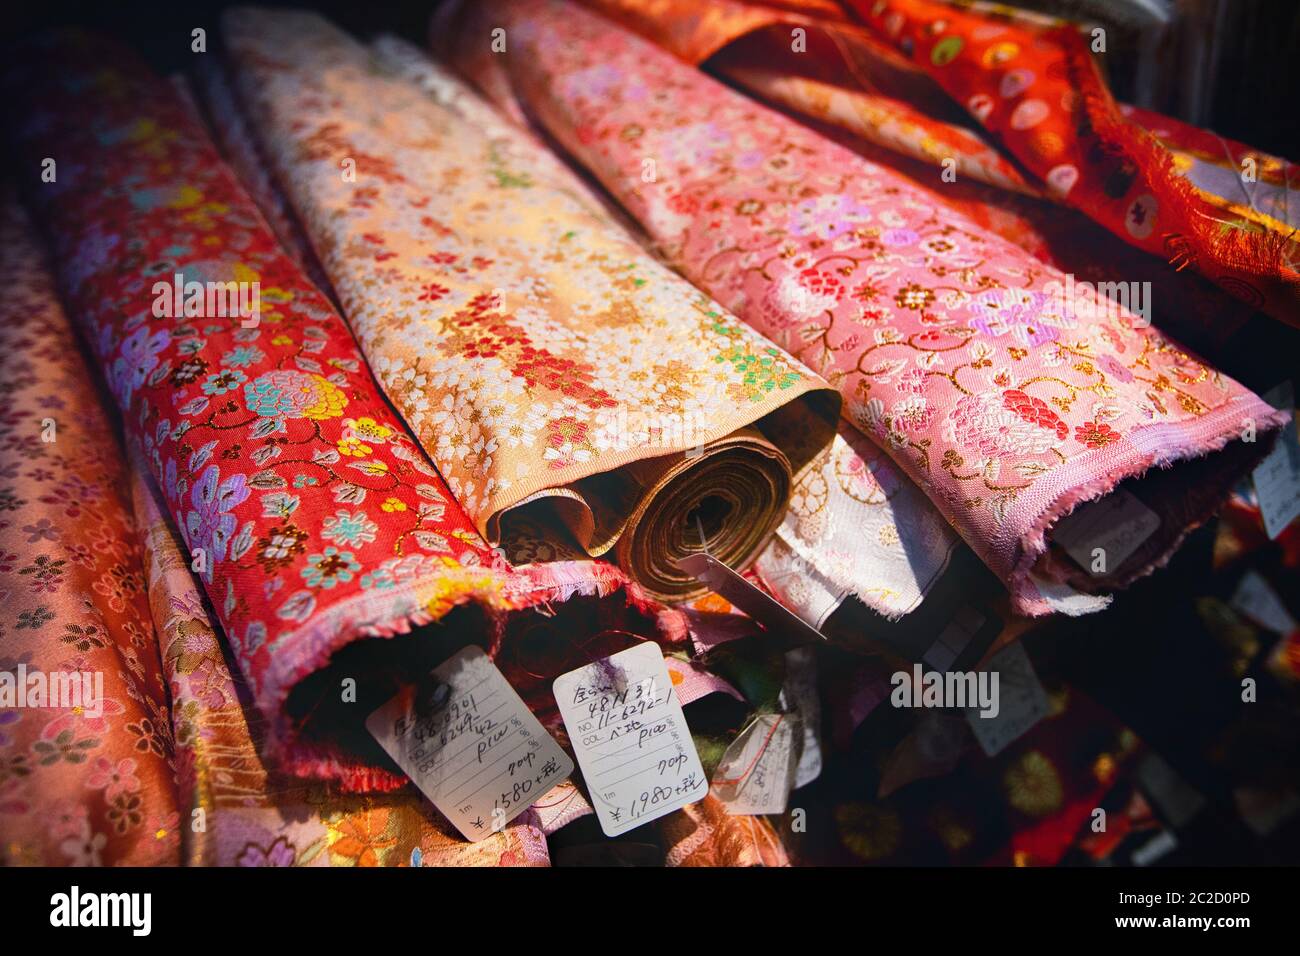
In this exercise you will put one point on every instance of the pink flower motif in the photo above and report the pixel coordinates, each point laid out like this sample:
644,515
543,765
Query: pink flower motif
913,414
113,779
798,297
279,853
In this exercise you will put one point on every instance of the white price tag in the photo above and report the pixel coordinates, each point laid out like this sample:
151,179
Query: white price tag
470,744
1022,701
1277,477
756,774
1117,524
630,737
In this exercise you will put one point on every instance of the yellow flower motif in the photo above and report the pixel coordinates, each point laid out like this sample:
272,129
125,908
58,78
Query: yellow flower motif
368,429
353,448
186,198
330,400
282,340
392,504
870,832
1033,786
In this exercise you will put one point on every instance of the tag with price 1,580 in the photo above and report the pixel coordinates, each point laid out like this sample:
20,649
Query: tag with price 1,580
470,744
630,737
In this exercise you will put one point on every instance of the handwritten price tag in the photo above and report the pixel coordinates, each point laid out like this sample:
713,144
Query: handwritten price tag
630,737
757,773
470,744
1117,524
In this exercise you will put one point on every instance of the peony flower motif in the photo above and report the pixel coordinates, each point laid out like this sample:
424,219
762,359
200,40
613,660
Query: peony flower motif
285,393
798,297
1005,423
912,381
1096,434
913,414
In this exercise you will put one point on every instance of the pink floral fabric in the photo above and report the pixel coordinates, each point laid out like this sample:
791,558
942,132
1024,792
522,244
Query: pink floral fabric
85,777
1009,396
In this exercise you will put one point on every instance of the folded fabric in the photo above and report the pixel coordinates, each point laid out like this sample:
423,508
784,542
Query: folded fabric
323,537
86,749
1009,394
555,372
1039,91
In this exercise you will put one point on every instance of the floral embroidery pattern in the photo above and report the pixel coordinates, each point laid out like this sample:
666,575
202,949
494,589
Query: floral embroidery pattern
69,608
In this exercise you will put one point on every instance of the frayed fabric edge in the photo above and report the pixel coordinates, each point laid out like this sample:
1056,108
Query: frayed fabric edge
1210,435
418,604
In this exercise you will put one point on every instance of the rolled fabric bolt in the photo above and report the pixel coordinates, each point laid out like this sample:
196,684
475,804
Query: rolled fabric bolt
555,372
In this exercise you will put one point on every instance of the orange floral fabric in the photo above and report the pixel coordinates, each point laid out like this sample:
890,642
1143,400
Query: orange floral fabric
85,777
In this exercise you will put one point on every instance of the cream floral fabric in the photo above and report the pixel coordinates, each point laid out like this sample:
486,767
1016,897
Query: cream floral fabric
544,360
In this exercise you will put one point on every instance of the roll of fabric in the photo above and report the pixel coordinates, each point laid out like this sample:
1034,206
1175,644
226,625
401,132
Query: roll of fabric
238,808
554,371
856,532
856,88
1010,395
85,742
326,542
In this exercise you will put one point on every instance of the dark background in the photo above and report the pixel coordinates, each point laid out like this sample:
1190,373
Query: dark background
1254,100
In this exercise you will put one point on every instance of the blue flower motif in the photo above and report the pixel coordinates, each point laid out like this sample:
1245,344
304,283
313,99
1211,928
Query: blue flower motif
224,381
329,568
242,356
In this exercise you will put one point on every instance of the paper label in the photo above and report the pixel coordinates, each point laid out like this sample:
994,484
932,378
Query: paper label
800,695
1022,701
1259,602
756,774
1277,477
630,736
950,643
470,744
1117,523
